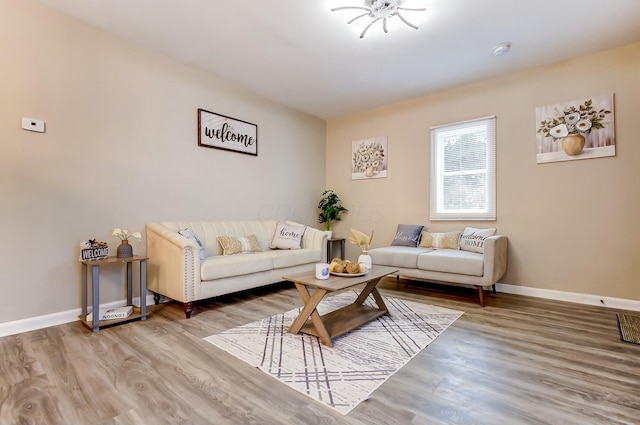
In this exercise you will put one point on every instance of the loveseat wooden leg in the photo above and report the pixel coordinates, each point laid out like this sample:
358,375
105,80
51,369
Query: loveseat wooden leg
156,298
493,288
188,308
481,295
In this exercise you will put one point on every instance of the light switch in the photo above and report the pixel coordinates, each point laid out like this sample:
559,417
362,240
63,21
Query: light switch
33,125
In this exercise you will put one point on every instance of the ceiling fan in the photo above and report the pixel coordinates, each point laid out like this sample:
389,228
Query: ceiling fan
378,10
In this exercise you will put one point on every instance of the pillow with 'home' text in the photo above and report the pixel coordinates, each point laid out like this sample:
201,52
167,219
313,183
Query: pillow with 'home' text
407,235
472,239
287,236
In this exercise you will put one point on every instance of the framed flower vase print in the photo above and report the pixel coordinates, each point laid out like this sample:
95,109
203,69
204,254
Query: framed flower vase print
577,129
369,158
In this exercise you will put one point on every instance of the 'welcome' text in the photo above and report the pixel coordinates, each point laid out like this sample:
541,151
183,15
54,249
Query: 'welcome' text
225,135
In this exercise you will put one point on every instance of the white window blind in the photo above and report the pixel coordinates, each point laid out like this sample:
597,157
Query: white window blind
463,170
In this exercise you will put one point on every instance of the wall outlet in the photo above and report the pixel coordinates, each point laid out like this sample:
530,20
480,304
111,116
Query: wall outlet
33,125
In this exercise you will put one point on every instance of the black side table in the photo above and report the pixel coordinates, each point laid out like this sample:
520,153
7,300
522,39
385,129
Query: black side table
331,243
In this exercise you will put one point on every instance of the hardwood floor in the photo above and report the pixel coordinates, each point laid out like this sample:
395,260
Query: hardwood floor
519,360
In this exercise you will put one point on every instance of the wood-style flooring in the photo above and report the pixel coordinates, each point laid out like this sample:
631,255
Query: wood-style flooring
519,360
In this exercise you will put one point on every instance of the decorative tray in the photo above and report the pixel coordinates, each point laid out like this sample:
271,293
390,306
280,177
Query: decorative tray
349,274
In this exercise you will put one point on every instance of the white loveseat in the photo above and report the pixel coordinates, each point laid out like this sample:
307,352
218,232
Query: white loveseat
448,266
176,271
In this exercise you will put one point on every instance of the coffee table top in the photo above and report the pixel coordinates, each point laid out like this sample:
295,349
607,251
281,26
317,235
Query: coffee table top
337,283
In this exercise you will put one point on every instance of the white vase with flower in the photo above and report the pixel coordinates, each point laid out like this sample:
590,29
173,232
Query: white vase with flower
363,241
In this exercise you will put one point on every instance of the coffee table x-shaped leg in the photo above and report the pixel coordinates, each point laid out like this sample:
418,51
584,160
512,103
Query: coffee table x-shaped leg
340,321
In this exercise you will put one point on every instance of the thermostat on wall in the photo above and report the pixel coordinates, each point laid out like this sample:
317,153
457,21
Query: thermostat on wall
33,125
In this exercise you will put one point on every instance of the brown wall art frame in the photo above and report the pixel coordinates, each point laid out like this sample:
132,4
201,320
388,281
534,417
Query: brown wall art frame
222,132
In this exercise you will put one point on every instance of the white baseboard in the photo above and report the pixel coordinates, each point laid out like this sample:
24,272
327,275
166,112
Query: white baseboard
39,322
619,303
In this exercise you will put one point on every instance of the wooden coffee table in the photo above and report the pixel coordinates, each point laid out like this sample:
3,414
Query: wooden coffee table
344,319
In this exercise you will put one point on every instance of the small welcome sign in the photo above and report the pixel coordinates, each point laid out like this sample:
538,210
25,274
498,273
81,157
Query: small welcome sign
222,132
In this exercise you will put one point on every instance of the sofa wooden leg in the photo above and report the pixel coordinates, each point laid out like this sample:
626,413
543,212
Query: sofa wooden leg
188,308
493,288
156,298
481,295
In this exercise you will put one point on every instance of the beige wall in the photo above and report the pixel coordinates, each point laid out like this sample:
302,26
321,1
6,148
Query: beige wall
572,226
121,150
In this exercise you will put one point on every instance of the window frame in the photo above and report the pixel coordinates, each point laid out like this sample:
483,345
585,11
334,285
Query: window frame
437,211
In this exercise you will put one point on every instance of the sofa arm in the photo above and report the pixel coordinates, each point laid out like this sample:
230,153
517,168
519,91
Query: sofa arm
173,265
317,240
495,258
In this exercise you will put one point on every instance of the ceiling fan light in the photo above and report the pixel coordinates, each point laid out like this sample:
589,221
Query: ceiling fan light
380,10
501,49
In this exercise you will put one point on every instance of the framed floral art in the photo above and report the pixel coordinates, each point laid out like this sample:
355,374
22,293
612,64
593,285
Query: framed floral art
577,129
369,158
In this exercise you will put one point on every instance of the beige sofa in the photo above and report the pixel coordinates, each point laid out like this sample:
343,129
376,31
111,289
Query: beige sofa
175,269
448,266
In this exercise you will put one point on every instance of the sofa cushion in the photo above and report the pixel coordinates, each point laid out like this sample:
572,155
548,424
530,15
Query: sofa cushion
289,258
447,240
239,245
452,261
397,256
407,235
287,236
472,239
220,266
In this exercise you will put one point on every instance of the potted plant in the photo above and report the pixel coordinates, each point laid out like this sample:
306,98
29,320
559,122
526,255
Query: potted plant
331,207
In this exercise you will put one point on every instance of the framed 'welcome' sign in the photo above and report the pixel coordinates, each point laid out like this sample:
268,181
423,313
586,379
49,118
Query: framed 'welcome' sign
222,132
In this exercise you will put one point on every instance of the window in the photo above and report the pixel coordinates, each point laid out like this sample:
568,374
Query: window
463,170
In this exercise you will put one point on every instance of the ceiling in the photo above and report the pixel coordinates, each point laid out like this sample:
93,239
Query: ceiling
301,54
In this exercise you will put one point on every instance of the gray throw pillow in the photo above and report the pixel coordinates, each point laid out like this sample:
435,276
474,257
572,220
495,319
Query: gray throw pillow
407,235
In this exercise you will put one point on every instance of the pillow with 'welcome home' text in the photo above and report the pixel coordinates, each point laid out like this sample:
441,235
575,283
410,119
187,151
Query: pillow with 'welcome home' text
472,239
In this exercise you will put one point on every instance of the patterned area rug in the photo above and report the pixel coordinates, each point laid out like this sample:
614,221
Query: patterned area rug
629,328
359,362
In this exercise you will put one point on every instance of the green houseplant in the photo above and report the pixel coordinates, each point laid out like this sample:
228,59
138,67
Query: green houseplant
331,207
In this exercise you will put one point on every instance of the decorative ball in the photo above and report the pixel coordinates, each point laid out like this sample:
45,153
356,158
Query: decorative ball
353,268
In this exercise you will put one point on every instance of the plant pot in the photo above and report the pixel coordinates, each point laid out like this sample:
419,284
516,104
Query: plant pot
125,250
573,144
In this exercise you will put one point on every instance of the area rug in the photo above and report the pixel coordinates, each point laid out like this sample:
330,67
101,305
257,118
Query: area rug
629,327
359,362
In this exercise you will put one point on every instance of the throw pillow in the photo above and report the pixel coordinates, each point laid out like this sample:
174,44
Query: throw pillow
447,240
239,245
472,239
187,233
287,236
407,235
